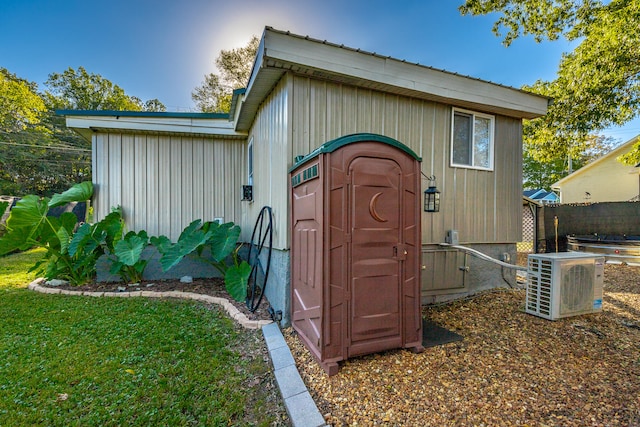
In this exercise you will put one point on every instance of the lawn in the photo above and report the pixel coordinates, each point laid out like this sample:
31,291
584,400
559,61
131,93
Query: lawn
84,361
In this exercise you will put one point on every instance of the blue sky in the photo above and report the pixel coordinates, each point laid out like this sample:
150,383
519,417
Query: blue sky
163,48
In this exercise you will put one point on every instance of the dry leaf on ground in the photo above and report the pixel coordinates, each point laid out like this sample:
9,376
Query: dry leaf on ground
511,369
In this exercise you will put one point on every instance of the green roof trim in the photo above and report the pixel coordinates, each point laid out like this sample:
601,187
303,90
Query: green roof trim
166,114
333,145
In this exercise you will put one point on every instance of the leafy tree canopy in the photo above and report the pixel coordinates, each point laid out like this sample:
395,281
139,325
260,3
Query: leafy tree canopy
81,90
598,84
20,104
214,94
38,153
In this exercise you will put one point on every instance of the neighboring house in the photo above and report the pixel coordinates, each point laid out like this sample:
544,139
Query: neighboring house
166,169
603,180
542,196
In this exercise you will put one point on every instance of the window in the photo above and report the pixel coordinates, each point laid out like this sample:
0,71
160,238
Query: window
250,162
472,140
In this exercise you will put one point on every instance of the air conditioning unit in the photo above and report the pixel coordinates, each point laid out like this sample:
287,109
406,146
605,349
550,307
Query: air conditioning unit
564,284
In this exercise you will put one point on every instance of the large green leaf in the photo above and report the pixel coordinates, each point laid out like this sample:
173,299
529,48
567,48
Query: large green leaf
28,213
78,193
129,249
185,245
224,239
64,237
14,240
86,239
68,220
162,243
112,227
236,279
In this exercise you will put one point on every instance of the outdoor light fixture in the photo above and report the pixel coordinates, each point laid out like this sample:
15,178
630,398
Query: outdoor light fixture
247,193
432,196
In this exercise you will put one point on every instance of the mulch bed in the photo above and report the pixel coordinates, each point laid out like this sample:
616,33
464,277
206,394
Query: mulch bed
212,286
511,368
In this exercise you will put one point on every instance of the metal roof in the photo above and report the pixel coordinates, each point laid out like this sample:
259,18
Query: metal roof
281,52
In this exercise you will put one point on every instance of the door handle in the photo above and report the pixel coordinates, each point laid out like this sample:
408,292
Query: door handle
399,252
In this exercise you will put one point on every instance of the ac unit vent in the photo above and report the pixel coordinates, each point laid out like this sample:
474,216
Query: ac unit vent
564,284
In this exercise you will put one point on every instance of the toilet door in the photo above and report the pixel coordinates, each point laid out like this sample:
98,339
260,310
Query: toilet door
376,254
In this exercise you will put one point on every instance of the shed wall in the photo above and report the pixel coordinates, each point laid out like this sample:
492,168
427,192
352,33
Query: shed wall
271,158
165,182
484,206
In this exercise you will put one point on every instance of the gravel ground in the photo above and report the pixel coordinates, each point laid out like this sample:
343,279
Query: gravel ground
511,369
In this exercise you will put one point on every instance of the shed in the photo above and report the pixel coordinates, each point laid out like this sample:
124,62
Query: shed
166,169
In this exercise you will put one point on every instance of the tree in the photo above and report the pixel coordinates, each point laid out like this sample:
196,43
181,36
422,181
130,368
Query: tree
598,84
214,94
81,90
20,104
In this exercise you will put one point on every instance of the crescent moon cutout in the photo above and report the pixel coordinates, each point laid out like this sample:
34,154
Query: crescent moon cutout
372,208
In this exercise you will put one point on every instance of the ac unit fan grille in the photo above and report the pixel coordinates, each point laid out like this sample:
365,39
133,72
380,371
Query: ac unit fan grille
539,287
577,289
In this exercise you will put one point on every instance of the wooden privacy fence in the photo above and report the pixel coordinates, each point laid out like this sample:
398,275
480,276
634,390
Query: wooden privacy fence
610,218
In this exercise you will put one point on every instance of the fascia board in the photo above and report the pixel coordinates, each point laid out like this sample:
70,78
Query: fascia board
220,127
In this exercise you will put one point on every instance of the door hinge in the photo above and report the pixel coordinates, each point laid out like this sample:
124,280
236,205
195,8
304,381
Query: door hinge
347,237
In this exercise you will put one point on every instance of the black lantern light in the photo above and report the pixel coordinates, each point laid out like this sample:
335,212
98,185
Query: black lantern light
432,196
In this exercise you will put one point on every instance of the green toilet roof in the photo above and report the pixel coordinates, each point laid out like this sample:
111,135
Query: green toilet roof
333,145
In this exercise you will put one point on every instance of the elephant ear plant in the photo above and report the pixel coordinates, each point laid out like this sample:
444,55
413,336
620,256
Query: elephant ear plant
221,240
72,249
68,256
129,263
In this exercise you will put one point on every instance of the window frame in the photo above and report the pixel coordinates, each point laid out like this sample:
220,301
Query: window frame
492,126
250,158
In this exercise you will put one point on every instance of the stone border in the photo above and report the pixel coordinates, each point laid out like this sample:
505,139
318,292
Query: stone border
233,312
301,408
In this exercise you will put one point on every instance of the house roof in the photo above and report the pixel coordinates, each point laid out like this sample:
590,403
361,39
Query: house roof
280,52
618,151
86,122
540,194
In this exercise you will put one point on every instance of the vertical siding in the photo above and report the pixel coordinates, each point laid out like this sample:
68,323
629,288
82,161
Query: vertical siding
140,184
484,206
163,183
128,178
272,153
152,166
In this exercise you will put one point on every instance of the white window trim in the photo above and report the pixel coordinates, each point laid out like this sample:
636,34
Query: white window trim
250,162
492,127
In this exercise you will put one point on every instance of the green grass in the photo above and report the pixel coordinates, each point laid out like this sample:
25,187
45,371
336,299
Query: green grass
84,361
13,268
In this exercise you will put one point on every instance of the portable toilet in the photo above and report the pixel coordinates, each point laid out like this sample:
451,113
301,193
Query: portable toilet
355,248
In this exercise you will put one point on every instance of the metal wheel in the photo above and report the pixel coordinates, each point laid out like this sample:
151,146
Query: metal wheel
260,258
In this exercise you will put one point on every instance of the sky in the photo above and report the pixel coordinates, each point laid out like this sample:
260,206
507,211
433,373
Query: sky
163,48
